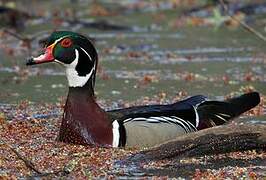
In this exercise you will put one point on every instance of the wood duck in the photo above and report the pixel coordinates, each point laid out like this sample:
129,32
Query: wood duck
85,122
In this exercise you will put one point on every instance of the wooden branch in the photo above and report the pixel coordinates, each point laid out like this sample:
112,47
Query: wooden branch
220,139
247,27
27,162
45,175
15,35
30,165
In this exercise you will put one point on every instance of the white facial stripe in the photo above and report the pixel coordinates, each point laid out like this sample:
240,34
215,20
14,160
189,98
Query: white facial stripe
116,135
56,41
59,62
86,53
74,80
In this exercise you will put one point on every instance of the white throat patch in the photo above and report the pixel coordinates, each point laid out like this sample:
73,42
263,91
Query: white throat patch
74,80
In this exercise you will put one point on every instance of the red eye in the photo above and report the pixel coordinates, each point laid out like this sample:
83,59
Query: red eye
67,42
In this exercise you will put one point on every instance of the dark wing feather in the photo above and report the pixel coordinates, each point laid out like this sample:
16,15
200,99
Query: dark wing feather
183,109
214,113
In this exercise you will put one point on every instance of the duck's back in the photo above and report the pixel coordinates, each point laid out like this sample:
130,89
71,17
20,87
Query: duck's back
146,126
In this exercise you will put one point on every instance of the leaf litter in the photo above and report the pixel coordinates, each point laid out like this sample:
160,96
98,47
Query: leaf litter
31,130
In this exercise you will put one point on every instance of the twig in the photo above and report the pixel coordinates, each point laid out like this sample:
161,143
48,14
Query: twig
30,37
16,35
247,27
27,162
55,173
30,165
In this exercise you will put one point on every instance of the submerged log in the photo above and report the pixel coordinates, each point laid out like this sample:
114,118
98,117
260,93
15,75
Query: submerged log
216,140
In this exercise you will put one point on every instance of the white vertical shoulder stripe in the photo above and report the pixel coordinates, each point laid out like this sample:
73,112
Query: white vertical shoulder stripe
197,116
116,135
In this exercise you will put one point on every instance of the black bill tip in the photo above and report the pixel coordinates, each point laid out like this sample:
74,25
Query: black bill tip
30,62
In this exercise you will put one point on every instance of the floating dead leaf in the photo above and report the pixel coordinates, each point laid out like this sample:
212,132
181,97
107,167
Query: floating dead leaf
189,76
171,55
147,79
249,76
234,23
196,21
96,9
134,54
252,175
246,89
159,17
2,119
70,166
23,104
9,51
102,73
226,79
162,95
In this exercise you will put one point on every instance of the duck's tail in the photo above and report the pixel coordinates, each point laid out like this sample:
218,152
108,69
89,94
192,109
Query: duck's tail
213,113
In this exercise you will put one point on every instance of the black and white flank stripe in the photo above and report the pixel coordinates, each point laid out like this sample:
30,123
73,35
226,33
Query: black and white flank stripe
186,125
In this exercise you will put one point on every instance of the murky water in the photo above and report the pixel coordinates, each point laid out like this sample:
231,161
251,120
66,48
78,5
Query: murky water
147,59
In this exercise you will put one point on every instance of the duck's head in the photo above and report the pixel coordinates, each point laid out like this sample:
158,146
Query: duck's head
75,52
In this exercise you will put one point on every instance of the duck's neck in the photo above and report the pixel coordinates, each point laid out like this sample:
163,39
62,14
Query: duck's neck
84,122
84,92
